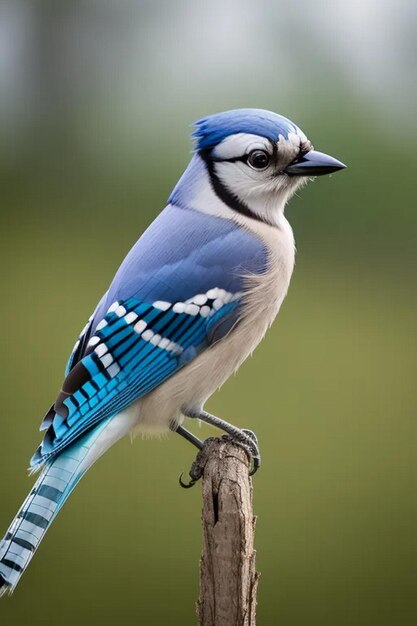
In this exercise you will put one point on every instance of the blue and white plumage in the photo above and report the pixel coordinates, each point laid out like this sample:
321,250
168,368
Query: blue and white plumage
190,302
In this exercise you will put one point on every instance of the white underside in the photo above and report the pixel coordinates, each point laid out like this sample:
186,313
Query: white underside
196,382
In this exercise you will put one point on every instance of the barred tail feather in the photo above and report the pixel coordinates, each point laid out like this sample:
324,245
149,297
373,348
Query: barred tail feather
48,495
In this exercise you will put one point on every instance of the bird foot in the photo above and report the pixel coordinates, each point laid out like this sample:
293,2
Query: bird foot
246,440
252,449
197,468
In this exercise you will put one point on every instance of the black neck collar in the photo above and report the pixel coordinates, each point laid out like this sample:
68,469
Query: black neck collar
223,193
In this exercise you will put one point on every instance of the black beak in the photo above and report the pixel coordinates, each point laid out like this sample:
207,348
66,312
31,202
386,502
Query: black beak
314,163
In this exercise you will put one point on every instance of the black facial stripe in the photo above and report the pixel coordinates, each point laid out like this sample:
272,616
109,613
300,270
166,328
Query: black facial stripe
222,191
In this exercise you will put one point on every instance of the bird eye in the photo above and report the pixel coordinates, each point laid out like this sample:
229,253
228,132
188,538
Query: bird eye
258,159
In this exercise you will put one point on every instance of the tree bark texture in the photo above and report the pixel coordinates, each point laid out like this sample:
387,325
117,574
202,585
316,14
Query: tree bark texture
228,578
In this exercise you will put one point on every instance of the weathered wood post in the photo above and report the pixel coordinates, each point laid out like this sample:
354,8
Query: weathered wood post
228,578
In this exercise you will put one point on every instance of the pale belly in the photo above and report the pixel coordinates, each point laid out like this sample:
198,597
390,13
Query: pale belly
196,382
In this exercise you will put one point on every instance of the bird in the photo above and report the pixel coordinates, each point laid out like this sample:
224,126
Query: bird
189,303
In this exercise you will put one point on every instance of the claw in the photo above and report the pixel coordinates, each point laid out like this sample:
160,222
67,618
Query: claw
255,460
186,485
256,464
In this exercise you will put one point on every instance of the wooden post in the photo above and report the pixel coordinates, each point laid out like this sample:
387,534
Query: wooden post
228,578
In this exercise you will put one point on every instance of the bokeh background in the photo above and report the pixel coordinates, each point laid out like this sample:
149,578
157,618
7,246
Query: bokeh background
96,101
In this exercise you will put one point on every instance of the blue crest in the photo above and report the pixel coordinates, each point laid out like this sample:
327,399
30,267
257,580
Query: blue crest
211,130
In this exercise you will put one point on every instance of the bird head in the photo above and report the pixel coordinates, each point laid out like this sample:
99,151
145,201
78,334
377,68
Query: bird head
257,159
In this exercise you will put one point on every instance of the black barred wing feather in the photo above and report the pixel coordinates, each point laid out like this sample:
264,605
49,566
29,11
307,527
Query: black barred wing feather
81,344
133,350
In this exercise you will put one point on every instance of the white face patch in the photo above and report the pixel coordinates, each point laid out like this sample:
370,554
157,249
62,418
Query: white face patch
263,191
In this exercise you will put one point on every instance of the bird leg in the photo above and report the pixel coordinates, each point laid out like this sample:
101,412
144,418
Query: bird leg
243,437
180,430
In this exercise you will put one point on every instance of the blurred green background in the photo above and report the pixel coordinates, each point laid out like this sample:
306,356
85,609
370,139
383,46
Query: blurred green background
95,107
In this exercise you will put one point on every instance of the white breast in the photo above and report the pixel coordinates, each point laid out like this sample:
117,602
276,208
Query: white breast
196,382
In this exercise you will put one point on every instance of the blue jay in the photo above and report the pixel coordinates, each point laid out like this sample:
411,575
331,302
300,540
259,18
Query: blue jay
190,302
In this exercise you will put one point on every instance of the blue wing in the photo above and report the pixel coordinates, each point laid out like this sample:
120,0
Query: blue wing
134,349
177,292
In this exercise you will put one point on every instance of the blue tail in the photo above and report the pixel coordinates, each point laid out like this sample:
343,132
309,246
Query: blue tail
49,493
